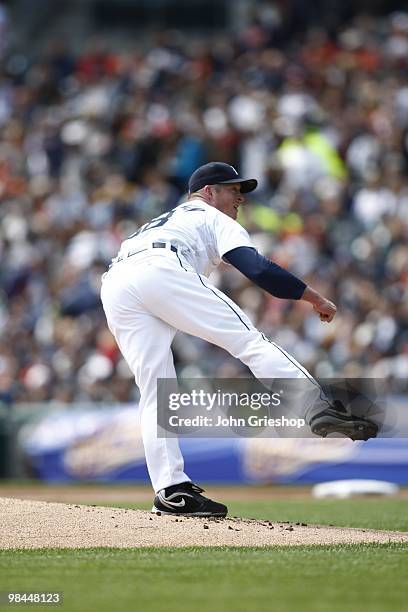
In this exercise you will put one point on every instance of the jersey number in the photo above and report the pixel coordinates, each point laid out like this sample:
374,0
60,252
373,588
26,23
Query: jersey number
157,222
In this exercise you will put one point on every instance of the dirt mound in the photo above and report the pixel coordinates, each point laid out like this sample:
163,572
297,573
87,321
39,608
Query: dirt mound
37,524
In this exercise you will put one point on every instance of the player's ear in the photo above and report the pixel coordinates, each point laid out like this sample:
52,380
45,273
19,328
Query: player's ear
208,190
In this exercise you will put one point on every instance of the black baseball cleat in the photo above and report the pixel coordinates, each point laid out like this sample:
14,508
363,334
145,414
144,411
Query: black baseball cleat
336,419
185,499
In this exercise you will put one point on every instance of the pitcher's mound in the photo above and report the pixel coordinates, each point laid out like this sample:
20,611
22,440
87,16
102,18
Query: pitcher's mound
36,524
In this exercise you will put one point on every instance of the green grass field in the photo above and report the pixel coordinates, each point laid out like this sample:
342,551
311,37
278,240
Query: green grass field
314,578
307,578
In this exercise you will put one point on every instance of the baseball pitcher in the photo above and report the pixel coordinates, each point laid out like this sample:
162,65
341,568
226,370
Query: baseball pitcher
158,284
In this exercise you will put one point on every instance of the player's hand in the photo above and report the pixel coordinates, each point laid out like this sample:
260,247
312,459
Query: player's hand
325,309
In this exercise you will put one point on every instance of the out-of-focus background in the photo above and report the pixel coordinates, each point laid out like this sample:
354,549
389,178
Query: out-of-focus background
106,107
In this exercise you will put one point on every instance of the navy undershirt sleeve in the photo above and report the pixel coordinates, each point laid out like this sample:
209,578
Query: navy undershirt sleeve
265,273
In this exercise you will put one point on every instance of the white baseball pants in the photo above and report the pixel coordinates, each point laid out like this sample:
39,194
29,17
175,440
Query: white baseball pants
147,299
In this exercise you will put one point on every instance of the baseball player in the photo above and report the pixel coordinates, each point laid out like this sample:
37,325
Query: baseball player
158,284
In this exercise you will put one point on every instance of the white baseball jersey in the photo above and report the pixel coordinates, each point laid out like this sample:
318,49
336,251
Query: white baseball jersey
201,234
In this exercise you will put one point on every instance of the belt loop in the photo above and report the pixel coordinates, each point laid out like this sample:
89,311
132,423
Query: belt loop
164,245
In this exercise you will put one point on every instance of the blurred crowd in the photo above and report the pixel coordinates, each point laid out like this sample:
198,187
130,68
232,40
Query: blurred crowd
95,143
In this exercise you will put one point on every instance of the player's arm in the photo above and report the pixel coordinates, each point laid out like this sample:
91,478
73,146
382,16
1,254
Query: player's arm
277,281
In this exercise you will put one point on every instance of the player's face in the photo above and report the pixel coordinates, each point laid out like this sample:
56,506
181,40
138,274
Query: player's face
227,199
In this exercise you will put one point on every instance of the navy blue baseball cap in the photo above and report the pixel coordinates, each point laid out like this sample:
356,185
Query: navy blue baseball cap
218,173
